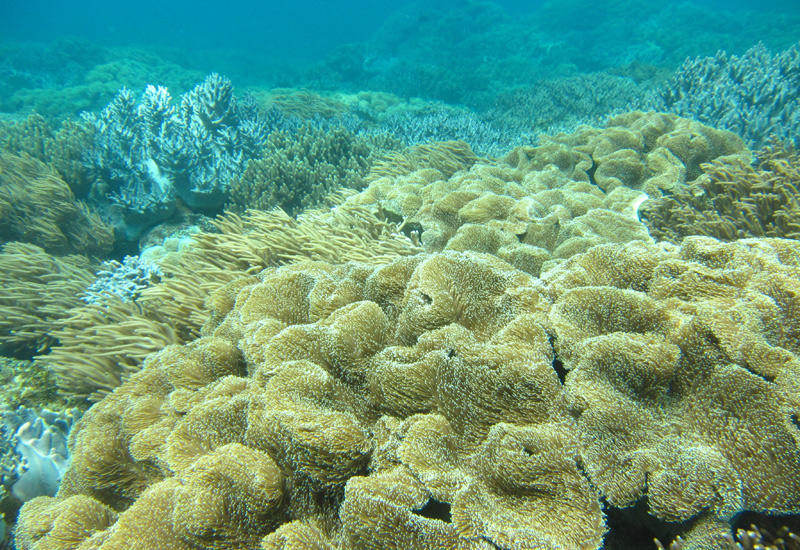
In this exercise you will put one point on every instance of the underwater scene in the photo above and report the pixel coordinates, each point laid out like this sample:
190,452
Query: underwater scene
422,274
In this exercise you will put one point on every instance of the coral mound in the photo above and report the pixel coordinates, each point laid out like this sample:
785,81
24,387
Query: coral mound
449,400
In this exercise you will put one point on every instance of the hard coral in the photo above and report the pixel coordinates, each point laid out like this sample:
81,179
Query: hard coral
148,153
753,95
298,170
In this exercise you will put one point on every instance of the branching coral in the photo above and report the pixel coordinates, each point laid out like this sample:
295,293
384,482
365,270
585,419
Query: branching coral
148,153
754,95
295,171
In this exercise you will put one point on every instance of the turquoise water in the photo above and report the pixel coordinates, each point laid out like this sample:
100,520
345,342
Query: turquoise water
379,45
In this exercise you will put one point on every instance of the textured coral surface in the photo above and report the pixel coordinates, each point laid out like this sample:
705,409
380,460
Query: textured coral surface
467,354
451,401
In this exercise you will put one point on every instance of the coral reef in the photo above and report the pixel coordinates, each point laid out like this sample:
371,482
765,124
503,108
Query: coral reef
64,77
732,200
298,170
62,149
38,290
98,345
545,203
151,152
102,342
311,438
750,538
33,455
450,400
26,385
125,279
754,95
40,458
486,135
562,104
38,207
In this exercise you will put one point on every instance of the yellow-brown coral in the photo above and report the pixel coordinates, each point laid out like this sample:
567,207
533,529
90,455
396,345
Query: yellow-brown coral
733,199
39,208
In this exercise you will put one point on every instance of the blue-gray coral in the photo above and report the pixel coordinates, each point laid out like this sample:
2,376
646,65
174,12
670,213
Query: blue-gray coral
755,95
443,123
151,152
125,279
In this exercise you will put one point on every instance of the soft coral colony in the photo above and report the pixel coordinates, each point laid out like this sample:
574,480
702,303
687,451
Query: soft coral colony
466,354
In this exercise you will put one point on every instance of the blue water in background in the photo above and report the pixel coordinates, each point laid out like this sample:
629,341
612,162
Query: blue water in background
251,37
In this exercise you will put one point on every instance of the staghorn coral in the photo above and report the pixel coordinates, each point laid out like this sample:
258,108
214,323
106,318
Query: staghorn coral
754,95
125,279
733,200
38,207
298,170
561,104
